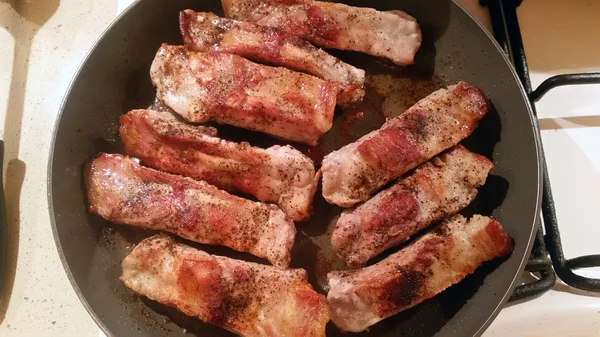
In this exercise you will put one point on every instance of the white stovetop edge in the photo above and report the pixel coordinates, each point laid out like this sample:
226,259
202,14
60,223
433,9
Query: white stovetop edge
123,4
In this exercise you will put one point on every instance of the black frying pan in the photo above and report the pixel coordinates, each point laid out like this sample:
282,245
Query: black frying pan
114,79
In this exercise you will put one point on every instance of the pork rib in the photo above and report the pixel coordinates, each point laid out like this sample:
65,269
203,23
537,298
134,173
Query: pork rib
437,260
207,32
279,174
394,35
434,124
122,191
436,189
248,299
229,89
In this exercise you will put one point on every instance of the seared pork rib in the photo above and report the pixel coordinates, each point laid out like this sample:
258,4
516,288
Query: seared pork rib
279,174
229,89
434,124
207,32
436,189
437,260
122,191
248,299
394,35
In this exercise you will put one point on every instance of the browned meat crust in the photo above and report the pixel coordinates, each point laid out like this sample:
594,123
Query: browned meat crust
279,174
122,191
207,32
230,89
436,123
394,35
436,189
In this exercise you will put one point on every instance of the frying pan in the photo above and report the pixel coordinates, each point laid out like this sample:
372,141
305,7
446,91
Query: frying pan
114,79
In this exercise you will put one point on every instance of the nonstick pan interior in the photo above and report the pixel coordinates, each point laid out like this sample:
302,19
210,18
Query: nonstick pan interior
114,79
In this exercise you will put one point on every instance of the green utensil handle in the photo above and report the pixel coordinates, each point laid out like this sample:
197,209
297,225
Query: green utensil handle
3,225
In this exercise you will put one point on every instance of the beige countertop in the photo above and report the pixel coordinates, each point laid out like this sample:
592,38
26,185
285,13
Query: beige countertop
42,43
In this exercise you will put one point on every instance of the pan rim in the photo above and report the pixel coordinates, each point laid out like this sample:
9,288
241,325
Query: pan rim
49,185
479,332
538,149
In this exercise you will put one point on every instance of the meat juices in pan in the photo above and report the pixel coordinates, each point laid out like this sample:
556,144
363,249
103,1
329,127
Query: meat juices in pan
122,191
437,260
248,299
230,89
438,188
278,174
394,35
434,124
207,32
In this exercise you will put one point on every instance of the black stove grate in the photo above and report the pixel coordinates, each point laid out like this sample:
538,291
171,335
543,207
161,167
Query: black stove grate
547,255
